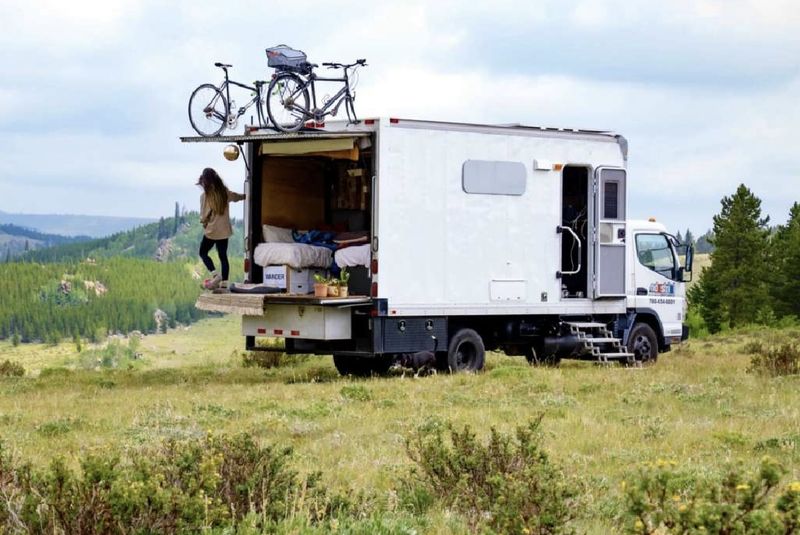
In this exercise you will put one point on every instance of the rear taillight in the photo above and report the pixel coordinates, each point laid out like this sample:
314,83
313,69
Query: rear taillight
246,266
374,266
374,289
369,121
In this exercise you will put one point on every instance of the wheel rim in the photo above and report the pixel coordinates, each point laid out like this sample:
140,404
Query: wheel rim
286,106
642,348
208,111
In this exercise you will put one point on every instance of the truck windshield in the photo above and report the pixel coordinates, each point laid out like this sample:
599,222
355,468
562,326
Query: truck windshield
655,252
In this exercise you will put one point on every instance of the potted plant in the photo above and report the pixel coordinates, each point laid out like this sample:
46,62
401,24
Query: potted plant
333,288
344,278
320,286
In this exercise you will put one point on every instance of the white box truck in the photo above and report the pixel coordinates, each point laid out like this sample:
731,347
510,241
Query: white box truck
480,237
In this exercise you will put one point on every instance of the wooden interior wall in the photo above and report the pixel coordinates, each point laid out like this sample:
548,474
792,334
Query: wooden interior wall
293,193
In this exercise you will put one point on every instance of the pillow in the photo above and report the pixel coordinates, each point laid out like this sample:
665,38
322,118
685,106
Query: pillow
277,234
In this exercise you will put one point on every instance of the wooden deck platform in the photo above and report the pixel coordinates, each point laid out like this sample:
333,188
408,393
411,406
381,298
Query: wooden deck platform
255,304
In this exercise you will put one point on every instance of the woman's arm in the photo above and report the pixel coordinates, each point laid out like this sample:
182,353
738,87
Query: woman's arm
205,211
236,197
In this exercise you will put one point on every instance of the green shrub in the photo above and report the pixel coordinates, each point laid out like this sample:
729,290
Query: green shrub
663,500
506,485
11,369
783,359
179,486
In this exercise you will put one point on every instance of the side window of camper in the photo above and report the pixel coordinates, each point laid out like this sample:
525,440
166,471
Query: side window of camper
490,177
613,194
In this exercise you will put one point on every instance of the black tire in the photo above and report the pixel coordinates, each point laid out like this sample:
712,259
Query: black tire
643,343
466,352
208,110
287,106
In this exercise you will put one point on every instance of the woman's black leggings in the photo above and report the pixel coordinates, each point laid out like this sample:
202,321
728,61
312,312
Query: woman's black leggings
222,251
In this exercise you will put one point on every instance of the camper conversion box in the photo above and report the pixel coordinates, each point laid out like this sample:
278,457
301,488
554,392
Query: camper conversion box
458,238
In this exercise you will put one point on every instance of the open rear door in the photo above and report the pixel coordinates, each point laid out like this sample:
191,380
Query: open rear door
609,232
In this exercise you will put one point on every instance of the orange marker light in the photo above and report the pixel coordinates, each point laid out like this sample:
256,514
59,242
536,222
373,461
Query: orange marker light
651,219
558,166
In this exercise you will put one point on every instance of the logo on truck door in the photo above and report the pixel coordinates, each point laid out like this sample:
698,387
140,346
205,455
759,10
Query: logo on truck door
662,289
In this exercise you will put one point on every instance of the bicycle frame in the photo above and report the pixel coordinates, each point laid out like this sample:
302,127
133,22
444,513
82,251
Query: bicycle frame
241,111
333,104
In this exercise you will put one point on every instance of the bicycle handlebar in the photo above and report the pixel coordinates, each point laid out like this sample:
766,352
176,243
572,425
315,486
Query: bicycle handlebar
362,62
222,65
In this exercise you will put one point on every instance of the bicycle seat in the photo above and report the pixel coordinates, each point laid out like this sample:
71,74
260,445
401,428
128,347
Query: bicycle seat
222,65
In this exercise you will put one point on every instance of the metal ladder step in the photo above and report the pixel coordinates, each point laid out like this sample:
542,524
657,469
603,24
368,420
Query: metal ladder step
616,356
601,340
585,324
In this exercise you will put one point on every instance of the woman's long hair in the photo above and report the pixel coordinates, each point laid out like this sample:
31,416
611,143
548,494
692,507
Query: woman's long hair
215,189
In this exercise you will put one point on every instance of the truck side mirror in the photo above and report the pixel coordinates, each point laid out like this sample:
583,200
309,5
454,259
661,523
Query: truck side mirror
687,264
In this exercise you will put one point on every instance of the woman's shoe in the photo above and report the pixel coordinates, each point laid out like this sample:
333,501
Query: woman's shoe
212,283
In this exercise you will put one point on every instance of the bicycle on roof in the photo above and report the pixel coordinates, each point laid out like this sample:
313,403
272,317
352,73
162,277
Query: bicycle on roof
211,109
288,102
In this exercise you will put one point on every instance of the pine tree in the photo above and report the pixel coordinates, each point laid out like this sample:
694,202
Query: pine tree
679,237
734,289
177,215
785,261
688,237
27,245
162,229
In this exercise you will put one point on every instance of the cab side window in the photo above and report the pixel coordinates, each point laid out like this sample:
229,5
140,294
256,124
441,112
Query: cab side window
654,253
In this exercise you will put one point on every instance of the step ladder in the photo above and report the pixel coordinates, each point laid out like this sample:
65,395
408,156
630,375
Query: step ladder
598,342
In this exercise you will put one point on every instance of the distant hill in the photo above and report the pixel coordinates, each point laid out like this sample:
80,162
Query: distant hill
163,240
16,240
74,225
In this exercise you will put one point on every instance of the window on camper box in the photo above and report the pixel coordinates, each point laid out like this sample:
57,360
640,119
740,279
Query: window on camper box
491,177
613,191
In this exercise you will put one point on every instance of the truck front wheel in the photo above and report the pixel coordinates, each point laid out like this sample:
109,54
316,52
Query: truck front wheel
466,352
643,343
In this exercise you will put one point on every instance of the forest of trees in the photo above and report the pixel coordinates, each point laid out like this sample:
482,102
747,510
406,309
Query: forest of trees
51,302
754,275
185,232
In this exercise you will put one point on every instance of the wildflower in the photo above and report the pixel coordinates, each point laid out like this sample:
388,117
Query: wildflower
742,486
661,463
794,486
639,524
676,498
682,507
623,485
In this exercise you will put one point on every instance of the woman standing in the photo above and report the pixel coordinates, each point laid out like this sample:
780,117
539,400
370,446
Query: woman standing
217,227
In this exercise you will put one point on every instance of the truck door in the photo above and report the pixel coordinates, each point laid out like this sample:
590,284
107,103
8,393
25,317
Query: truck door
608,270
657,281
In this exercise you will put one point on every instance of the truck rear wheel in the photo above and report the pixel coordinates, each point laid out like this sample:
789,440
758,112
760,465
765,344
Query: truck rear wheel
466,352
643,343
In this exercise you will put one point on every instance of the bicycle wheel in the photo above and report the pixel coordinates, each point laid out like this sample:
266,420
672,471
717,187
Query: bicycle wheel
208,110
287,102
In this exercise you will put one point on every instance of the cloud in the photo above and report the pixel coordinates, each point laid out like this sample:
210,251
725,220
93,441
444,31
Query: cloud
705,91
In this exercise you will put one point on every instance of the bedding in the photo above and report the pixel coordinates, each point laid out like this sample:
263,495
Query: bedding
295,255
274,234
358,255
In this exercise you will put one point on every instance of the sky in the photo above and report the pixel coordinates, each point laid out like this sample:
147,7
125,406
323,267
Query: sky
93,96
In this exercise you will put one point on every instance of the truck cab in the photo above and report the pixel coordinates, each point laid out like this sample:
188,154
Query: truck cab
656,289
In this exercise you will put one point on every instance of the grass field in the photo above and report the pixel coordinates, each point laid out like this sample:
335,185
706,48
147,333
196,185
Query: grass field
697,406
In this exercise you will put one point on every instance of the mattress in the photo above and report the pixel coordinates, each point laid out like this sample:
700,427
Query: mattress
358,255
295,255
